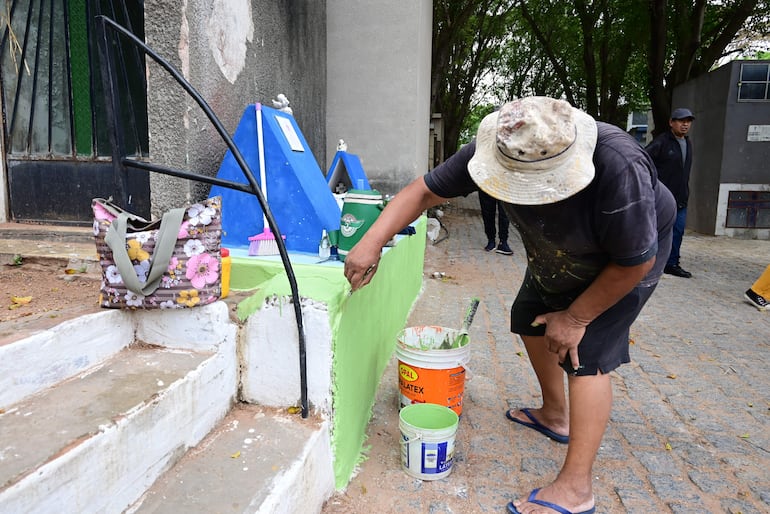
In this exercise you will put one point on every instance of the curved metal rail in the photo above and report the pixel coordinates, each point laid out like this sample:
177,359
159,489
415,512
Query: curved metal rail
108,79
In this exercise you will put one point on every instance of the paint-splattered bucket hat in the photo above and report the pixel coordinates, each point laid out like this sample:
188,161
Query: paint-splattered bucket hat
534,151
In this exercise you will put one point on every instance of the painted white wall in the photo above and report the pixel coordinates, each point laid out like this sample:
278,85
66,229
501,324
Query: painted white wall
269,352
313,474
199,329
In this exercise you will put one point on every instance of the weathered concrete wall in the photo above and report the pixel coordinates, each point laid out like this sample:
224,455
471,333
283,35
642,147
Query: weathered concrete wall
378,75
705,97
723,158
233,52
745,161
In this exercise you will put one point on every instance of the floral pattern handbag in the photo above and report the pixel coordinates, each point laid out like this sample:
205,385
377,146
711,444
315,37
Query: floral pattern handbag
170,263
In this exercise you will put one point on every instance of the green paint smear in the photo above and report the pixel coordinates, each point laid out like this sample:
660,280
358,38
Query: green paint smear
364,328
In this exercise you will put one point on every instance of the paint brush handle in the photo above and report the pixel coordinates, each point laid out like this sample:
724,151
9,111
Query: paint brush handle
470,314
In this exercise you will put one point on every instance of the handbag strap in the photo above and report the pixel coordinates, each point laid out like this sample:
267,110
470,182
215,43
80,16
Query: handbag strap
164,249
116,210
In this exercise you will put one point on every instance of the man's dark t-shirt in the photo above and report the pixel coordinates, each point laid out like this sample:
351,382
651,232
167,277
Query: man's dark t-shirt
618,217
673,170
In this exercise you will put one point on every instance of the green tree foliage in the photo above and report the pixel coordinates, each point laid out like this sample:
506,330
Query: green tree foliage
467,36
688,38
607,57
472,121
593,49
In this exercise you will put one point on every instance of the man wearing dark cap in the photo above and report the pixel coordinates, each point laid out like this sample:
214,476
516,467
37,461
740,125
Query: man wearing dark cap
672,153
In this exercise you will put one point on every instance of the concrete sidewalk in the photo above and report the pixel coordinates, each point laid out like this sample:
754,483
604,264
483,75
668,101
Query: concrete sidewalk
689,427
47,244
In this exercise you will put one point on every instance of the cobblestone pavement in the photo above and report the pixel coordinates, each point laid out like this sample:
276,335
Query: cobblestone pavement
689,431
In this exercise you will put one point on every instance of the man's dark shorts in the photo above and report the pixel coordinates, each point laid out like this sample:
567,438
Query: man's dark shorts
604,346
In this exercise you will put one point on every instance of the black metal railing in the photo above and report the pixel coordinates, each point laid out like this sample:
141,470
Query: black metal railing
121,163
52,100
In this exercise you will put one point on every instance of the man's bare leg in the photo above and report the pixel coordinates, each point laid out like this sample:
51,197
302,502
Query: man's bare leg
590,402
554,412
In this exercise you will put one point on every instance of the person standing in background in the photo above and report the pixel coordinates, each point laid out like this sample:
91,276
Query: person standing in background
672,153
489,207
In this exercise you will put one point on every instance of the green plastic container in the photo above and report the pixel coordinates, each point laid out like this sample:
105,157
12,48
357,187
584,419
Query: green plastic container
360,210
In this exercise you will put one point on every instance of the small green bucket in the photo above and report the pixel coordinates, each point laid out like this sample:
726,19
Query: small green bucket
427,440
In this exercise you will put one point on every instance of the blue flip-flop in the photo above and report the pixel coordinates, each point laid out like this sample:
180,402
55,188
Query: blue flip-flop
536,425
558,508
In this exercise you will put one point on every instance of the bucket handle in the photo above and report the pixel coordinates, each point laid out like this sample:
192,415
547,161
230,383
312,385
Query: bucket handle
468,372
415,438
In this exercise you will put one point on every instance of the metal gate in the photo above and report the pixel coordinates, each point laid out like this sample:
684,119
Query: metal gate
55,128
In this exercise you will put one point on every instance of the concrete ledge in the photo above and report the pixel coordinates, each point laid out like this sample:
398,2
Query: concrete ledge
48,245
270,355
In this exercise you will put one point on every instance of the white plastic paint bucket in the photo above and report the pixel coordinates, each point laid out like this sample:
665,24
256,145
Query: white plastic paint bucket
430,370
427,440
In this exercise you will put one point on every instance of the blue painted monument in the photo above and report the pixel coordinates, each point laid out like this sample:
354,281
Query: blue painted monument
346,169
297,192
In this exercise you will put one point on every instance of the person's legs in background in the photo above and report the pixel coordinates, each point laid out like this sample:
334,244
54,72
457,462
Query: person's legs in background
672,266
488,206
502,230
676,243
758,294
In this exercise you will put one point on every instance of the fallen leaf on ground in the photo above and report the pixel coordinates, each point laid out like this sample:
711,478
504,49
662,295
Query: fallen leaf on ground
18,301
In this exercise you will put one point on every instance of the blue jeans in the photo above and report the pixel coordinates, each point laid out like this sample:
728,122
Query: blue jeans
678,233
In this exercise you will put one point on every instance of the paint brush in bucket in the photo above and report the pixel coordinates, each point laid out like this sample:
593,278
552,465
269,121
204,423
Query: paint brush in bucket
462,337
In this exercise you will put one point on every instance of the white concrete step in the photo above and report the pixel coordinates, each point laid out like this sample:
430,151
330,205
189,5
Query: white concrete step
258,460
137,412
85,430
47,357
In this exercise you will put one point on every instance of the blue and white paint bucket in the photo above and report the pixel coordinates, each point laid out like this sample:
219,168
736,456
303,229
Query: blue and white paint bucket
427,440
